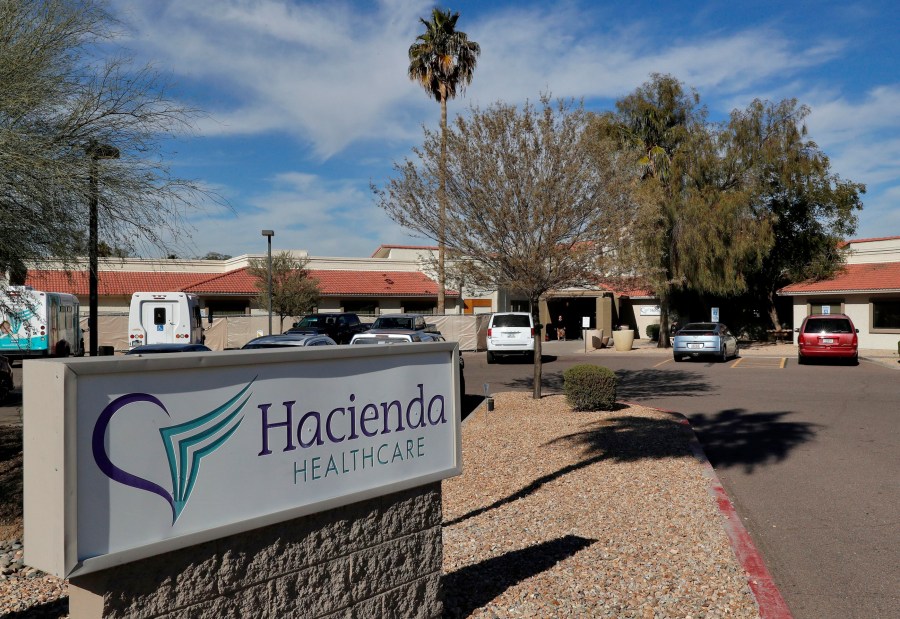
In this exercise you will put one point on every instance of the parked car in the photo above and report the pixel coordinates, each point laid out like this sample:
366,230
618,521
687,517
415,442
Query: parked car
510,334
407,336
339,326
155,349
393,336
704,339
286,340
828,336
6,378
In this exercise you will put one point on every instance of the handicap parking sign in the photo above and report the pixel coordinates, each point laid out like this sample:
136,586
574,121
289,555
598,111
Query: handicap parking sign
160,327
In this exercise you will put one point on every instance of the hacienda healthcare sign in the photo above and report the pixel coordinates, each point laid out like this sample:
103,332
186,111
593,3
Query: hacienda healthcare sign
131,457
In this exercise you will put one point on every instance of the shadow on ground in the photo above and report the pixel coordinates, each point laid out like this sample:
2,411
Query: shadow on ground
626,438
10,475
633,385
736,437
47,610
474,586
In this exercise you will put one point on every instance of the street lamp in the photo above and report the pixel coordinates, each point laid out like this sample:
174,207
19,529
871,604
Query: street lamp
269,234
96,152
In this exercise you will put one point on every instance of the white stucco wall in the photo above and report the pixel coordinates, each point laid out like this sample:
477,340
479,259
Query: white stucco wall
858,309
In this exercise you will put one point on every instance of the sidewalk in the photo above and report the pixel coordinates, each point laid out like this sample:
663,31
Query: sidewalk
886,358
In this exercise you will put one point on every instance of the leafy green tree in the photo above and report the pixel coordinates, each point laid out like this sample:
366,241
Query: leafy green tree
294,291
810,208
528,197
695,227
656,123
443,61
61,101
214,255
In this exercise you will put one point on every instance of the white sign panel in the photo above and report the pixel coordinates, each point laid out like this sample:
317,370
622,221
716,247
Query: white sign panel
715,315
170,452
650,310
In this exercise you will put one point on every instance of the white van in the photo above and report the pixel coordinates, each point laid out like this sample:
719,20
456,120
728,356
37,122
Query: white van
164,318
510,333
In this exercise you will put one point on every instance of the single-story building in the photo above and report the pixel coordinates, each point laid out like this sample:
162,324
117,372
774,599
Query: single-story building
867,289
226,287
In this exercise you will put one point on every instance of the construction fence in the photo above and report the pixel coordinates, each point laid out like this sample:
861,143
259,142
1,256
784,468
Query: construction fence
232,332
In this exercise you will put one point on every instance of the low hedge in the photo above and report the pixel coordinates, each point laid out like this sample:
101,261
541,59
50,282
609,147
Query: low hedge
590,387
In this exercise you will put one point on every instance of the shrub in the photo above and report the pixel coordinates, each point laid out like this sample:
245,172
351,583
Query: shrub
590,387
653,332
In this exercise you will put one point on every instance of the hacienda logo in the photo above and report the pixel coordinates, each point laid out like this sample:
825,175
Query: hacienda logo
186,444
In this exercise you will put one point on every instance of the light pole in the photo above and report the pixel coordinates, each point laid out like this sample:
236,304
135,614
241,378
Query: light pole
269,234
96,152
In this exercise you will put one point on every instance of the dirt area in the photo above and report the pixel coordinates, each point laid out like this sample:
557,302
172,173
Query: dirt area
11,482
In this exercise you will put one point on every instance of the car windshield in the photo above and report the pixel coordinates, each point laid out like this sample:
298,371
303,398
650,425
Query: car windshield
512,320
391,322
828,325
699,326
307,321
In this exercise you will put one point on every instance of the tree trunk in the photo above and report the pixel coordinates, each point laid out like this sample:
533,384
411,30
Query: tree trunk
442,204
664,340
538,340
773,311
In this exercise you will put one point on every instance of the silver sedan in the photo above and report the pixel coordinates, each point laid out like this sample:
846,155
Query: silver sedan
705,339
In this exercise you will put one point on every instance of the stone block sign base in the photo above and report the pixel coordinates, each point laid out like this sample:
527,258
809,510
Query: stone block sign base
376,558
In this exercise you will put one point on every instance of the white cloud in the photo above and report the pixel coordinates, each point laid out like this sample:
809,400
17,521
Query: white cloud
334,73
331,75
325,217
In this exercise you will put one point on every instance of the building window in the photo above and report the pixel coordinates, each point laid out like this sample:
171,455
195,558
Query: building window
360,306
519,306
827,306
419,307
886,315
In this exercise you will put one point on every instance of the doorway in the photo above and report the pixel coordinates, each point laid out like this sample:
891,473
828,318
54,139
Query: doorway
566,314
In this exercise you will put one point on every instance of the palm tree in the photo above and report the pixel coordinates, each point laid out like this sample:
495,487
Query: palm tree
442,60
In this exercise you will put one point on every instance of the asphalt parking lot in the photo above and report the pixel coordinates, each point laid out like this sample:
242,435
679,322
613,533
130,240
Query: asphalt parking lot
809,454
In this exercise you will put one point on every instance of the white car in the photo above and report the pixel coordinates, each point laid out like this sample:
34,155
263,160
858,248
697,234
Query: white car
510,333
393,336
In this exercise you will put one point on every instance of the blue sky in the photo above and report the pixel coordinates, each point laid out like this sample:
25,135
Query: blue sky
309,102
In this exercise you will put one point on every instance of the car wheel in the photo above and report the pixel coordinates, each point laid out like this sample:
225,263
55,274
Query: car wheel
678,358
801,360
4,391
723,355
490,357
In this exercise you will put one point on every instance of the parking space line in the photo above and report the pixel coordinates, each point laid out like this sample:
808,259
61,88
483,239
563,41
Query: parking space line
664,362
737,362
761,362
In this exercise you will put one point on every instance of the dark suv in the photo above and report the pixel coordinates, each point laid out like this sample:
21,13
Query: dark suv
828,336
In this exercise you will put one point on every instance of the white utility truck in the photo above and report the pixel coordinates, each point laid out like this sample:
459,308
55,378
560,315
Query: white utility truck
164,318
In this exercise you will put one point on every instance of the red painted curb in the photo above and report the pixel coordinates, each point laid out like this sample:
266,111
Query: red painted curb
768,597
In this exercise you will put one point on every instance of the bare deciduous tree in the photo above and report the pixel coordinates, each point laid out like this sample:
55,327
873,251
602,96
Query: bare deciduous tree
531,203
59,103
294,292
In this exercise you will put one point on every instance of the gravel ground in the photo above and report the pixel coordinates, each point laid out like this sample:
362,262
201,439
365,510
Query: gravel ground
557,514
562,514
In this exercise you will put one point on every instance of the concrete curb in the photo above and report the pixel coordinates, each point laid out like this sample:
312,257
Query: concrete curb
768,597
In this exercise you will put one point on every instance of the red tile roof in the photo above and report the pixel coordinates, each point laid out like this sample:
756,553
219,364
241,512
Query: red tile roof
237,282
874,277
627,287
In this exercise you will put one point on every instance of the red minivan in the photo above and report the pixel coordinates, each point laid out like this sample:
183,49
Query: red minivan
828,336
